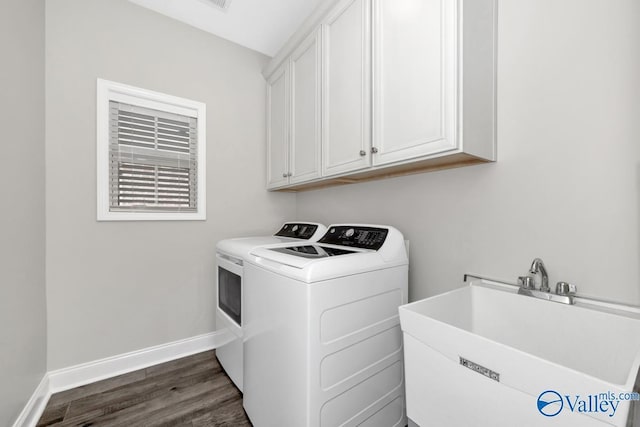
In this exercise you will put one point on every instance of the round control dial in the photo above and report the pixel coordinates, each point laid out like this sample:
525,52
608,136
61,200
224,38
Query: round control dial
349,232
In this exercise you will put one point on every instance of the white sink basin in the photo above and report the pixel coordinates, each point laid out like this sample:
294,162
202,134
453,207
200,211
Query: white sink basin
533,345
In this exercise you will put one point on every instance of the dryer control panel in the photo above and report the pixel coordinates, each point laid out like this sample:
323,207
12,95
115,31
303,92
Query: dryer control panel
297,230
355,236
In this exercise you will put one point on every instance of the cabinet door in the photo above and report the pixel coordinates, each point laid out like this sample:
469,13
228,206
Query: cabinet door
305,110
278,127
414,78
346,104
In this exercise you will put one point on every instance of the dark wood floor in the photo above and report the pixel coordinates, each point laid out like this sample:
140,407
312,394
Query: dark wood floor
193,391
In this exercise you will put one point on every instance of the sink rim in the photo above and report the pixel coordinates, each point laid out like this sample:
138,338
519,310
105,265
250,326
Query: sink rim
582,303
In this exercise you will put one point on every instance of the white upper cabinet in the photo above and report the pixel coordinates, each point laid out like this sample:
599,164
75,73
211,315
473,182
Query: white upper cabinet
346,110
414,79
278,128
387,87
305,110
293,117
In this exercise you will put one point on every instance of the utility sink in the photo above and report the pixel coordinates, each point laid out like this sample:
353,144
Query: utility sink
520,360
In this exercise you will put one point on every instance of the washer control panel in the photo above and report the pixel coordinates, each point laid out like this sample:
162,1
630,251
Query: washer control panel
297,230
355,236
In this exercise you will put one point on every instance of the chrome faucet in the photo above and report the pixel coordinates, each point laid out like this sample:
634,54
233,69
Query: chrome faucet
564,291
538,267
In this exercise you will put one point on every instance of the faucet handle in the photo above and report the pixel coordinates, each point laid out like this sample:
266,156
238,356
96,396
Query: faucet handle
564,288
527,282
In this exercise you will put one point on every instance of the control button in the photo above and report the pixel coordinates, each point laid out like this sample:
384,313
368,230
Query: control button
349,232
295,228
333,230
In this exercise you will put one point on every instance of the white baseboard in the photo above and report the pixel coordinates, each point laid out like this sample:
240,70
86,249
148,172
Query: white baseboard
86,373
35,406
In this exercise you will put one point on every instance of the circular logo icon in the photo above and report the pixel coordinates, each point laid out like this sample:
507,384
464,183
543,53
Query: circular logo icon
550,403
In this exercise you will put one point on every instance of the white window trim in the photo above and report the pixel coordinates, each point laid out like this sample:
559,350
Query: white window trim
112,91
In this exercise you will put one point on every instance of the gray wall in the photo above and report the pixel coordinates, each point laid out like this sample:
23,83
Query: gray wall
567,184
114,287
22,217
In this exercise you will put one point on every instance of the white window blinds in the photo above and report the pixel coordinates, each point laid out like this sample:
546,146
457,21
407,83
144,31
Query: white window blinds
152,160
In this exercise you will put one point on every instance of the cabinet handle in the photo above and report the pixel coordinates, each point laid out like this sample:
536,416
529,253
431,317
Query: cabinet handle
374,150
284,175
363,153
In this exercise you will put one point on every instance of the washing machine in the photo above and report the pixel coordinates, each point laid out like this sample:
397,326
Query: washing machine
322,338
229,310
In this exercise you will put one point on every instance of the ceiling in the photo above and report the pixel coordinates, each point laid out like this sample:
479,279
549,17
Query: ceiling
260,25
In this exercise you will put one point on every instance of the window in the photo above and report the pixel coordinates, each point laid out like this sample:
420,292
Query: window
151,155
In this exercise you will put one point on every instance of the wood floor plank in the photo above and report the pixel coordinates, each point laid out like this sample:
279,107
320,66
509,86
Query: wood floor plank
144,413
190,392
181,363
97,387
134,393
53,414
191,405
229,414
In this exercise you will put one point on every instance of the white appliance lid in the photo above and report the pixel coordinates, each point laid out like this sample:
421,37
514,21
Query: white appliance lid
312,251
356,257
241,246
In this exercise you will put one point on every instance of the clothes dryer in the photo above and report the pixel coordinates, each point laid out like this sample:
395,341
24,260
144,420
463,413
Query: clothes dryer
230,255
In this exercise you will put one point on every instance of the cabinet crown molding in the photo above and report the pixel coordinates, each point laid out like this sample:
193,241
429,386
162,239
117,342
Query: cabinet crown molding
306,28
